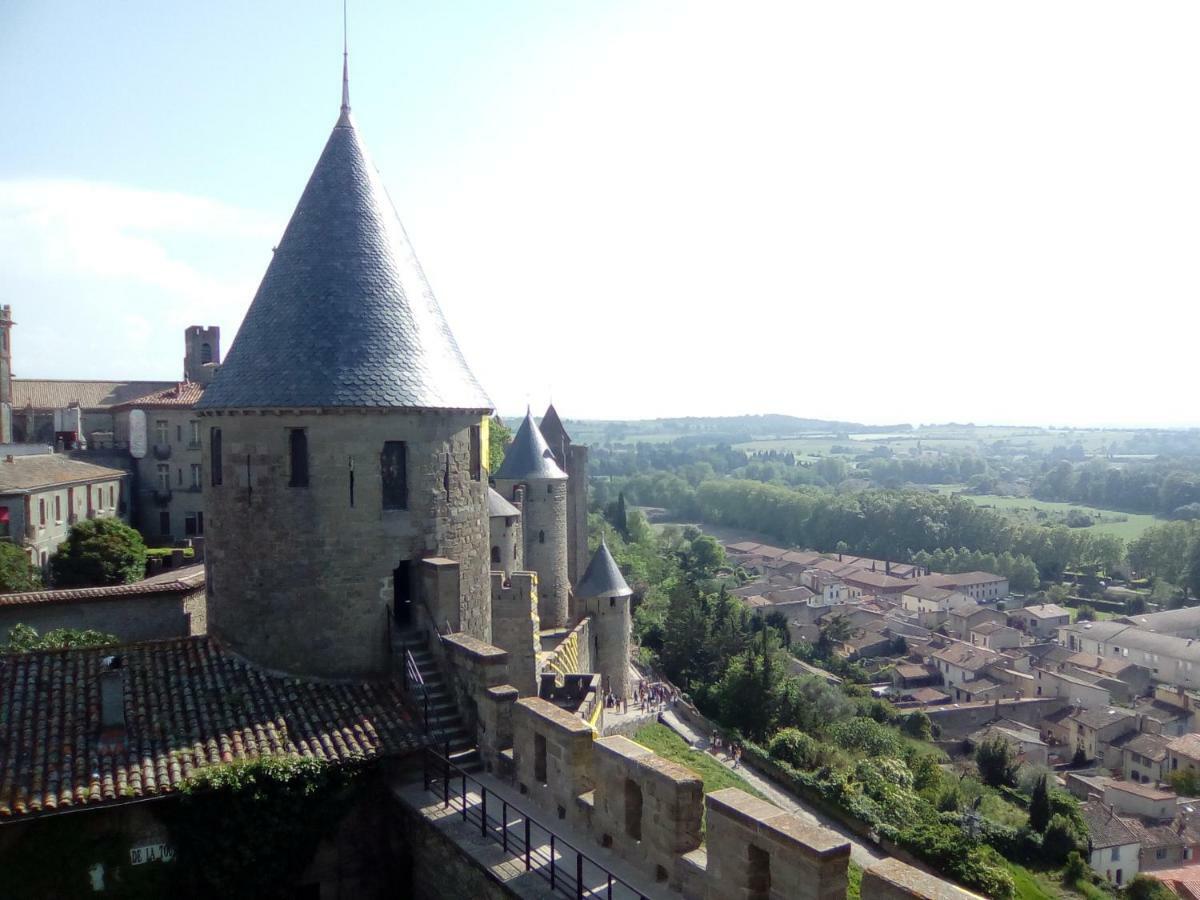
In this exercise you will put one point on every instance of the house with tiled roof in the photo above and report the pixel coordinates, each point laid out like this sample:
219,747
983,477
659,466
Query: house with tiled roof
1097,728
164,435
43,494
1144,757
1041,620
1114,848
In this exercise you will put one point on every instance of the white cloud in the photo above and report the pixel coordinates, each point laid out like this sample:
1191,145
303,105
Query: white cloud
104,277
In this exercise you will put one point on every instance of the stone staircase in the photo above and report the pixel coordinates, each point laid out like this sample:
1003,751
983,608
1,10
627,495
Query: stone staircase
445,723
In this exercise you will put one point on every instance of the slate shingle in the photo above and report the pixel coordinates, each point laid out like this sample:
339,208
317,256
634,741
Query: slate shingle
344,316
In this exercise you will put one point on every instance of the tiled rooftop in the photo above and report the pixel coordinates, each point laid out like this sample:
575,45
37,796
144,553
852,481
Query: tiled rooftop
178,396
46,393
181,581
47,470
188,704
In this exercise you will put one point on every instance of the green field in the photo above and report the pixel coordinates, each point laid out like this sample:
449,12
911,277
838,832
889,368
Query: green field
1126,526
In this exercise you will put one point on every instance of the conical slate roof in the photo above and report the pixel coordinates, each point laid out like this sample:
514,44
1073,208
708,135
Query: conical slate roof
498,507
554,432
528,456
344,316
602,578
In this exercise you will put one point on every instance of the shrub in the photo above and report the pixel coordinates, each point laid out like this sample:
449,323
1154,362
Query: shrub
868,736
1074,869
795,748
1143,887
1059,839
1039,806
917,725
24,639
99,552
17,573
997,763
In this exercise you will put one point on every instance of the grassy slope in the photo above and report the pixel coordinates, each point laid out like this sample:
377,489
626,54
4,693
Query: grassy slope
667,744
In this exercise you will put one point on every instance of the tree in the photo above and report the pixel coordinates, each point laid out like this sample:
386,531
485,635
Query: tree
837,630
1059,839
1039,806
917,725
1085,613
1144,887
997,763
16,571
499,436
1080,759
99,552
1074,869
25,639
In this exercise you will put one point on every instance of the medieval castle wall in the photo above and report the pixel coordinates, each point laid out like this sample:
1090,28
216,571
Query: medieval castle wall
314,595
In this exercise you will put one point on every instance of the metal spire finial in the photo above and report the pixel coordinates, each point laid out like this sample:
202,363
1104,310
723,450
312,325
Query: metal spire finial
345,66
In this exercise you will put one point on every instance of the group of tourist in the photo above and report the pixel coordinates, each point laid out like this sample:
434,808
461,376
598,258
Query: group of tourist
716,744
654,695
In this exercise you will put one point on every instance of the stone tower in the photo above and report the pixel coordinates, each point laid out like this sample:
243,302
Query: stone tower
201,353
342,441
508,554
603,594
572,459
6,395
531,479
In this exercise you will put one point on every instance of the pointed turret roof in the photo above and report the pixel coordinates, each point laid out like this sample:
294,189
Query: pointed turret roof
555,434
498,507
603,578
528,456
344,316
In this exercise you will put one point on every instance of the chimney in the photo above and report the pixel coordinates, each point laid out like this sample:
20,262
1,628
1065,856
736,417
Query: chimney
887,567
112,694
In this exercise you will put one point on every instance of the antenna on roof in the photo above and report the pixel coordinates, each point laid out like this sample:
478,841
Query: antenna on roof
345,65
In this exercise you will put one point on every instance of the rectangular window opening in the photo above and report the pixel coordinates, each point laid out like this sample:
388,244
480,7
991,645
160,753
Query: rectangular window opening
298,455
393,469
214,446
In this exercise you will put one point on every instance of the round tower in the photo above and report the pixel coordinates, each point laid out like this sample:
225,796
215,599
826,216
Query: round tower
341,441
603,594
530,478
504,519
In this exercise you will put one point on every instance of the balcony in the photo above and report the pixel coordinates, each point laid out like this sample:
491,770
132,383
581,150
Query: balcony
162,496
162,451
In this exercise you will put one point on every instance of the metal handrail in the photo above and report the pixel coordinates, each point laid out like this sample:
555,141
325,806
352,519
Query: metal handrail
414,683
514,836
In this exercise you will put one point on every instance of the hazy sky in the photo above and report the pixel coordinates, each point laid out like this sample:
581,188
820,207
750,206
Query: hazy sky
871,211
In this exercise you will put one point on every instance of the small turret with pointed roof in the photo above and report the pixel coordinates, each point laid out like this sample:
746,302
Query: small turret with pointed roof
603,594
556,435
603,577
529,457
531,479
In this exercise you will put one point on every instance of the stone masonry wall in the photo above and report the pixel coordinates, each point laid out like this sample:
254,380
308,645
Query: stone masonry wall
507,541
756,849
544,529
301,577
648,811
577,505
515,626
153,617
612,624
646,808
890,879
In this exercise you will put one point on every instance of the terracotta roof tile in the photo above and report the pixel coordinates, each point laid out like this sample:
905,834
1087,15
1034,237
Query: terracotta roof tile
179,581
43,470
178,396
43,393
188,704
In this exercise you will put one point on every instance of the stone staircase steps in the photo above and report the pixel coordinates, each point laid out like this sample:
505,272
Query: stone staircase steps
446,727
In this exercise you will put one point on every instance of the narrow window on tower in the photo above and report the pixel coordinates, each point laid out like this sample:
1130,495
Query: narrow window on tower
476,453
214,446
298,452
393,470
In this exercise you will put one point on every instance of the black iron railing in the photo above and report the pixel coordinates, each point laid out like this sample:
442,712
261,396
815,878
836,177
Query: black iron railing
569,871
414,685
